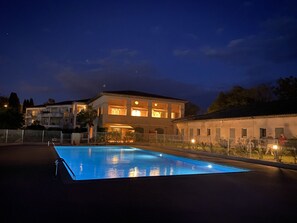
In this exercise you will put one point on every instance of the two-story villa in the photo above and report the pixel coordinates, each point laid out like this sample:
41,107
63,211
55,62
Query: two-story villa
124,111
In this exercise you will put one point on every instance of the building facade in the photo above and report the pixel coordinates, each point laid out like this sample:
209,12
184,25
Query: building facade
125,111
58,115
267,121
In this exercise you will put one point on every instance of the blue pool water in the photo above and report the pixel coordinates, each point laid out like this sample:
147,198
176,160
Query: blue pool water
104,162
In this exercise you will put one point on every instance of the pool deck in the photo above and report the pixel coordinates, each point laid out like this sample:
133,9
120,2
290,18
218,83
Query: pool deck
30,192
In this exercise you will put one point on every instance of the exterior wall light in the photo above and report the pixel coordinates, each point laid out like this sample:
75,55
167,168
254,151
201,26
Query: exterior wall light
136,102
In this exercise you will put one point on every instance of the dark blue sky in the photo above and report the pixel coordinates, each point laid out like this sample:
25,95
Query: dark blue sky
192,50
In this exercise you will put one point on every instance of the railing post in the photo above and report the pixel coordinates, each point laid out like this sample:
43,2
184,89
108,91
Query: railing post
228,146
6,135
23,136
42,137
61,137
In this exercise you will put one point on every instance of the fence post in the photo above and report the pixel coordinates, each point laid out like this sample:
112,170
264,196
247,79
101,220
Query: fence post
6,135
61,137
228,146
42,137
23,136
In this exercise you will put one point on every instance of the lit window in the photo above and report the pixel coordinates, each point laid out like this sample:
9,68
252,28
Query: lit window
156,114
136,113
115,111
139,108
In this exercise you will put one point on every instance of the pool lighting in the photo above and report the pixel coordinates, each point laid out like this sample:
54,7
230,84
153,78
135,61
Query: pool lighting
160,154
193,141
209,166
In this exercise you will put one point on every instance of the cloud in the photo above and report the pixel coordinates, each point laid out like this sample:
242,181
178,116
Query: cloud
276,44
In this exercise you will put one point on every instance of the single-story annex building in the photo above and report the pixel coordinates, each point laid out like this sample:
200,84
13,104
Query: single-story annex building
257,121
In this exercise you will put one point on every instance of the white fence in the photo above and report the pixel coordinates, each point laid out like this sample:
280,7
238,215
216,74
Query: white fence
264,148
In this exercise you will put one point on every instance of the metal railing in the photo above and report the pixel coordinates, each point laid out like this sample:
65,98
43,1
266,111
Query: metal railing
61,161
253,148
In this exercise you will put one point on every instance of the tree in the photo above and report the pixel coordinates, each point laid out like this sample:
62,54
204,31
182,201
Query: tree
50,101
191,109
27,103
3,101
286,88
86,117
14,101
10,119
239,96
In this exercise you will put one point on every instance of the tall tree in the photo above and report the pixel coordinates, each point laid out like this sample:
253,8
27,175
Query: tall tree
31,102
239,96
27,103
14,101
286,88
191,109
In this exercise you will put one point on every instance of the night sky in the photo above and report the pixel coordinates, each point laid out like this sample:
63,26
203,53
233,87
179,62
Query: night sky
70,50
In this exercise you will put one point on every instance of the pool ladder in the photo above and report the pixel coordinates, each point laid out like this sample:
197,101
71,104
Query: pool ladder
61,160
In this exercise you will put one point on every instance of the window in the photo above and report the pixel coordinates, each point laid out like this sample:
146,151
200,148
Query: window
175,111
262,133
117,107
243,132
139,108
191,133
208,132
198,132
218,133
115,111
232,133
159,110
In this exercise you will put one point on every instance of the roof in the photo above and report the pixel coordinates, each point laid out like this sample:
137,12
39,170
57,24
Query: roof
258,109
62,103
141,94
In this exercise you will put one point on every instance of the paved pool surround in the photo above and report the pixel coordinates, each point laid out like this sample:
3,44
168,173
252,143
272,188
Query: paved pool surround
31,192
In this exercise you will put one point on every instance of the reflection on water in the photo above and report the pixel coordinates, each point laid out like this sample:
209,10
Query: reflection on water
114,173
136,172
155,171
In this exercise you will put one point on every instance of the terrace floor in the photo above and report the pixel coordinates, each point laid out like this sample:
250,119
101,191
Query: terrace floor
30,192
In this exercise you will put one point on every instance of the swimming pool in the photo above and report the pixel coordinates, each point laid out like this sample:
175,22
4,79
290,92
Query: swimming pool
106,162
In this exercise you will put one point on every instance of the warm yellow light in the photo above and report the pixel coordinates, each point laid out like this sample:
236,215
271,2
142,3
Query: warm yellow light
5,106
156,104
136,102
193,141
274,146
